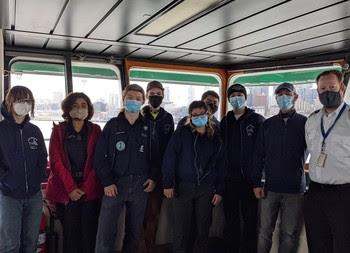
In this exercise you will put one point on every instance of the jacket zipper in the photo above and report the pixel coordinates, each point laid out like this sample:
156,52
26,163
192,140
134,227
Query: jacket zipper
240,131
24,160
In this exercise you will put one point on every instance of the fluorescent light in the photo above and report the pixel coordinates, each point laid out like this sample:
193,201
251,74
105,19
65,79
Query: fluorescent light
177,15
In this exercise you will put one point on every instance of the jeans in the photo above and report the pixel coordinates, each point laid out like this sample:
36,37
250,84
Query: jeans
291,208
130,195
20,223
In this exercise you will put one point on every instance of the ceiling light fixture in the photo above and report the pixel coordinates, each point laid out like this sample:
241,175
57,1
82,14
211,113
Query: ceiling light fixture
175,16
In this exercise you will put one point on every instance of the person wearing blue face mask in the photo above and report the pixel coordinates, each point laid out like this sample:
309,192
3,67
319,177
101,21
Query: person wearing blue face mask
122,163
281,152
193,170
239,130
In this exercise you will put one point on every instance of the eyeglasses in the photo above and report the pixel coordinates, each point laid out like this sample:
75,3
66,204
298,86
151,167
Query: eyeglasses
203,115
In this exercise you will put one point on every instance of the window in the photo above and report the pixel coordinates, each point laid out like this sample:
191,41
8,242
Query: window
47,82
261,86
180,88
101,83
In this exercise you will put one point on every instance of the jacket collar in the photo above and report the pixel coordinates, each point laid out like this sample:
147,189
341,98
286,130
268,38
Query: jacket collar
147,113
287,115
247,113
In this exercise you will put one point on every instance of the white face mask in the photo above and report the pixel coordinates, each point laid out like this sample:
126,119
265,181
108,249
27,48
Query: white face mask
22,108
79,114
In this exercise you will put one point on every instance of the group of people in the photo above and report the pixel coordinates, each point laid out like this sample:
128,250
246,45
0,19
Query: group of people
138,158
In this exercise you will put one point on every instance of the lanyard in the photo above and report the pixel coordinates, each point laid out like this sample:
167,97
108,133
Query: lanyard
325,134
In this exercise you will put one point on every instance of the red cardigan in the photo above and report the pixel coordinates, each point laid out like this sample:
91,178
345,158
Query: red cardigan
61,182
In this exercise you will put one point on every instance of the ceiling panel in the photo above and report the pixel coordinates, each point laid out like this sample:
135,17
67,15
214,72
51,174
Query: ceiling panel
230,13
144,53
284,12
23,41
192,57
37,15
322,49
94,48
216,60
298,36
168,56
66,45
331,38
241,44
127,16
81,16
119,51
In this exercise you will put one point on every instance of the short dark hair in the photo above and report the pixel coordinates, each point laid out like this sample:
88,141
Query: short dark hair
16,93
68,102
209,126
335,72
210,93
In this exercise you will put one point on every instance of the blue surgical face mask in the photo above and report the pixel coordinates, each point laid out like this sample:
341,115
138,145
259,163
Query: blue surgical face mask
132,105
237,102
200,121
285,102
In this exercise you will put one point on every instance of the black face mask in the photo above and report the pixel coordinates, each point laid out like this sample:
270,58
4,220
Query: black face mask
155,101
213,108
330,99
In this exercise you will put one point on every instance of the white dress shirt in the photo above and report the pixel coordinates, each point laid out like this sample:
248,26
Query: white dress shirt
336,169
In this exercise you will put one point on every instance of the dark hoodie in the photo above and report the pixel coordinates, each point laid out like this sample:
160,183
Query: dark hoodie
239,137
161,129
23,157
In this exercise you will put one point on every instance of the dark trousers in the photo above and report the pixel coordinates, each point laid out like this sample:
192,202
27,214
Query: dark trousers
239,201
134,199
192,198
79,221
327,218
150,223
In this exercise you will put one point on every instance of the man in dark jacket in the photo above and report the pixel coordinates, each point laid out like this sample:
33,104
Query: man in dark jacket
22,168
239,130
161,128
211,99
281,153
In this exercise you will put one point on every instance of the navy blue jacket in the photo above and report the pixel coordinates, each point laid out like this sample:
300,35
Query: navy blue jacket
23,157
183,157
281,153
239,137
122,150
161,129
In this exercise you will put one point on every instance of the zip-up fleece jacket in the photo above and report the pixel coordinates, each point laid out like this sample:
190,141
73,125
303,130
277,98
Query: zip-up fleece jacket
240,154
182,159
122,150
281,153
61,182
23,157
161,129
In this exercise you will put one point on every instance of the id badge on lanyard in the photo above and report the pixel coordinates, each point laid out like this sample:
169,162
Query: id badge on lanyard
322,157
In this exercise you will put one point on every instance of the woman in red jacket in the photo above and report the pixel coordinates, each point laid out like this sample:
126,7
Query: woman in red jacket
72,185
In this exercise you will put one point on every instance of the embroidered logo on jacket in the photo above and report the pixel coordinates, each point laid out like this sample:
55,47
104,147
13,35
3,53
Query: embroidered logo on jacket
250,130
33,143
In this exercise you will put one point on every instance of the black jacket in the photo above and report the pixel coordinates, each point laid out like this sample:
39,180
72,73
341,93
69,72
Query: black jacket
182,122
23,157
122,150
161,129
239,137
195,158
281,153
